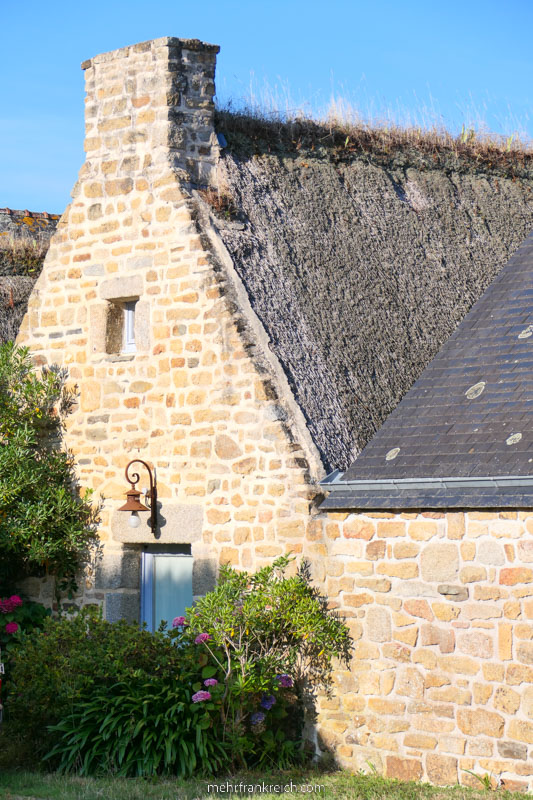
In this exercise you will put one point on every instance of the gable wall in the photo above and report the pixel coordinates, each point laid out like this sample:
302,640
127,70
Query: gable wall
194,400
441,609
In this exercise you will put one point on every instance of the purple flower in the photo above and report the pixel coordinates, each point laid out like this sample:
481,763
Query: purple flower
12,627
210,682
267,701
257,718
199,697
285,680
178,622
201,638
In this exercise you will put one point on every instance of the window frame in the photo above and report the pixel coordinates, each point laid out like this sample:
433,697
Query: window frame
147,593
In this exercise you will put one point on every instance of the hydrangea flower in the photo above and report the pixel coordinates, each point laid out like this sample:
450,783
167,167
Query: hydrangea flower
267,701
178,622
210,682
10,604
257,718
201,638
12,627
285,680
201,696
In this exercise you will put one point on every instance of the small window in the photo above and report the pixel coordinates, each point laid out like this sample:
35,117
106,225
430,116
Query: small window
166,583
120,327
128,344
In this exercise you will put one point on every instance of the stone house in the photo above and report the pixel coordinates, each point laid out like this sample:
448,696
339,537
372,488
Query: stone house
244,317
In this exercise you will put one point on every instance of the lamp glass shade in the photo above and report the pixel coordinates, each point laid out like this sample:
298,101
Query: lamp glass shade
134,520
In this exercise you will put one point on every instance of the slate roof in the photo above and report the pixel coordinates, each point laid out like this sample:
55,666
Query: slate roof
468,417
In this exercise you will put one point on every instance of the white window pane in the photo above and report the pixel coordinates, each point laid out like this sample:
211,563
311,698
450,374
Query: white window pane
172,587
129,327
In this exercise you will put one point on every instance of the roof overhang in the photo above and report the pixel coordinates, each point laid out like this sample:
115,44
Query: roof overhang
501,491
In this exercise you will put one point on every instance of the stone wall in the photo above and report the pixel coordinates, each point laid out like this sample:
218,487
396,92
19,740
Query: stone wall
197,399
441,609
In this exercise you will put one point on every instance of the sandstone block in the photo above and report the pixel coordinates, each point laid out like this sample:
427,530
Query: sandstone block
375,550
512,750
378,624
445,612
474,722
404,769
490,552
523,731
506,699
472,574
403,570
475,643
455,526
513,575
505,641
441,770
410,683
227,448
407,635
524,652
90,395
418,608
358,529
482,693
374,584
439,562
382,706
390,529
419,741
405,550
422,531
452,744
525,550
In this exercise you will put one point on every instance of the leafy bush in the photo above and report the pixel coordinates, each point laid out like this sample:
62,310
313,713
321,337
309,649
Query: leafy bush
53,671
140,728
18,618
270,638
45,527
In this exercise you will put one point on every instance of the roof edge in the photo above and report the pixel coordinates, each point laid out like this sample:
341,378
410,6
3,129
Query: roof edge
449,493
334,483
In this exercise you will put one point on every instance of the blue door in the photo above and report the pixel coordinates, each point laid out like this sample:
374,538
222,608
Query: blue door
166,586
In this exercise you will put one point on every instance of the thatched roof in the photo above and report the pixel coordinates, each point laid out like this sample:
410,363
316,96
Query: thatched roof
360,271
14,294
24,240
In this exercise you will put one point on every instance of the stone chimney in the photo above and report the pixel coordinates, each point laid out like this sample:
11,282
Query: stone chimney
148,104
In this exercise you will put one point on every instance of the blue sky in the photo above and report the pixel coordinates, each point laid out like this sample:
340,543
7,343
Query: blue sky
417,61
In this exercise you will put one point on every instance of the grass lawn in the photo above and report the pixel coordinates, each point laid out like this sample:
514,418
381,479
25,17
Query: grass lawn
339,785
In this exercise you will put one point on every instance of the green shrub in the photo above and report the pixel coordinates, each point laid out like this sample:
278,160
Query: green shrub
45,526
18,618
54,670
270,639
140,728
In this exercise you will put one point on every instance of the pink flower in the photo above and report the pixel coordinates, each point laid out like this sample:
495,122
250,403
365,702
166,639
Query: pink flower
201,638
210,682
15,600
12,627
199,697
178,622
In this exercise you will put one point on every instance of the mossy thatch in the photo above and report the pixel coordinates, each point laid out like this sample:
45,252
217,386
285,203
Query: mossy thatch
361,254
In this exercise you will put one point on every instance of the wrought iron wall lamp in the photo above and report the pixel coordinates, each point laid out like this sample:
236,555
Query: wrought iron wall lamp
133,504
